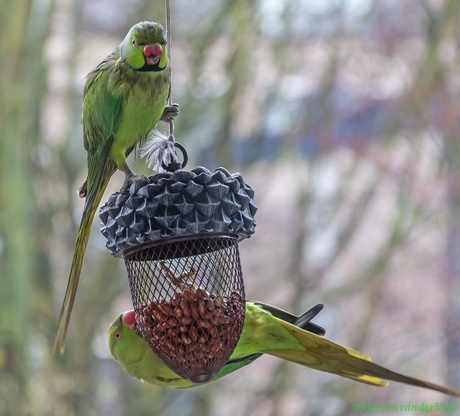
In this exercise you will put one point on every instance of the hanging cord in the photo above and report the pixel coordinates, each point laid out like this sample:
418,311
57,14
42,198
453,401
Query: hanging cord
168,52
159,150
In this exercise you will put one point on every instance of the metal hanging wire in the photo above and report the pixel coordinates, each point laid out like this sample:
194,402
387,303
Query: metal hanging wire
168,52
160,150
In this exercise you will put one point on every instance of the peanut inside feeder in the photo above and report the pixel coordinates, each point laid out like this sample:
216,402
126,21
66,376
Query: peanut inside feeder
188,295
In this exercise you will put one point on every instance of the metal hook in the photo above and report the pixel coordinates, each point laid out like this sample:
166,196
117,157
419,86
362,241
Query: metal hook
173,166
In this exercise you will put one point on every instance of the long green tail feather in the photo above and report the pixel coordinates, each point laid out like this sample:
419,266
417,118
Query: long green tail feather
303,321
100,170
324,355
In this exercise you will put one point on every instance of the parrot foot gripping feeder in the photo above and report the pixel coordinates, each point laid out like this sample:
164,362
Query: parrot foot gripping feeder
179,237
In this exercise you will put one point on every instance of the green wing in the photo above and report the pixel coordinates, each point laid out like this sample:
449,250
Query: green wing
291,343
102,105
101,115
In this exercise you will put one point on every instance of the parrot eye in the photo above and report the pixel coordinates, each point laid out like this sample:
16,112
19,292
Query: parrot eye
117,335
134,42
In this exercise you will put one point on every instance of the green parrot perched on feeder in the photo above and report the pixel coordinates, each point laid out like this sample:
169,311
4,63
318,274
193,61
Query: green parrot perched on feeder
125,97
266,330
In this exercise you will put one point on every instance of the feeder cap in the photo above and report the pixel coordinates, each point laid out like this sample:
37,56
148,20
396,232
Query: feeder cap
177,204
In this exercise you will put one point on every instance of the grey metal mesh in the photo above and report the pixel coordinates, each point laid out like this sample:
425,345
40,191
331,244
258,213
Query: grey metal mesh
188,295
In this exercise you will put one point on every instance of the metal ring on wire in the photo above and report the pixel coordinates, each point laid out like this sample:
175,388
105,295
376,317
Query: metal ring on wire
173,166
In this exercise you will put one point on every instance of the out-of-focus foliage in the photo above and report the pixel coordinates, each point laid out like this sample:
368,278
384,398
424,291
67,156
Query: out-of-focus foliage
344,117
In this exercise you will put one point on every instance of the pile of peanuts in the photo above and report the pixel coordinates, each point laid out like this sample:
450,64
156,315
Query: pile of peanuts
194,330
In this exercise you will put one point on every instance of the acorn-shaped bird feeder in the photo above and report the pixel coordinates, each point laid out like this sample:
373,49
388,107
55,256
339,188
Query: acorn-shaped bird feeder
179,234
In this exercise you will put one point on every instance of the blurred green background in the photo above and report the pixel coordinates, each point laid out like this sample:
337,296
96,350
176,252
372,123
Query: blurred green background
345,119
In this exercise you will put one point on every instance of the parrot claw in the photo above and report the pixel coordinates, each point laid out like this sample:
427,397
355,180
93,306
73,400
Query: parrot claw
170,112
133,178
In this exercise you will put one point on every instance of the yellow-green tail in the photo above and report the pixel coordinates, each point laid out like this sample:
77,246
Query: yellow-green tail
321,354
97,183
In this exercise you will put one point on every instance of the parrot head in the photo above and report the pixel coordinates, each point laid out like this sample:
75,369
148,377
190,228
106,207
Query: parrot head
143,48
125,344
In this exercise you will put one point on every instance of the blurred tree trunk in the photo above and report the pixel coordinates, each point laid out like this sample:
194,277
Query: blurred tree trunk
16,200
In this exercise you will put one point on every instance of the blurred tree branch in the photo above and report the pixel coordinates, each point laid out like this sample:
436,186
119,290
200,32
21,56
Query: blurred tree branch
16,200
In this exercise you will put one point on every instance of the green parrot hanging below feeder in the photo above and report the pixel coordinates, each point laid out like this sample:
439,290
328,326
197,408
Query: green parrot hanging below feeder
135,356
125,97
266,330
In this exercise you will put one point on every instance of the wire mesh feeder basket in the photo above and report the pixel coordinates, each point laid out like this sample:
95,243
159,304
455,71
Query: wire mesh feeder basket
179,237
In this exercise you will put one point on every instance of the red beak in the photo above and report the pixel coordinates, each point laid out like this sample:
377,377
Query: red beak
152,53
129,319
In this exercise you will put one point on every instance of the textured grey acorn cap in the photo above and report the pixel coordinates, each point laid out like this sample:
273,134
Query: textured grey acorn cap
178,204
